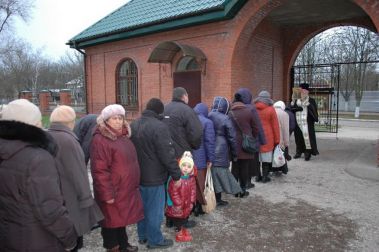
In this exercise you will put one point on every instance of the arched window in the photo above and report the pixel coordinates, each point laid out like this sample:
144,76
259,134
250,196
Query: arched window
127,84
187,63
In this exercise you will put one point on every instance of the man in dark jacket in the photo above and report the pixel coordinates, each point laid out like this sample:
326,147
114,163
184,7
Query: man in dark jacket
32,214
184,125
83,129
156,156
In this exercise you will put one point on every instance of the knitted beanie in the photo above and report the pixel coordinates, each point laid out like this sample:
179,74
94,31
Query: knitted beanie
22,110
63,114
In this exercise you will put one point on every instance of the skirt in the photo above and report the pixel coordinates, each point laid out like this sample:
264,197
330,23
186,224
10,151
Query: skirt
200,185
224,181
265,157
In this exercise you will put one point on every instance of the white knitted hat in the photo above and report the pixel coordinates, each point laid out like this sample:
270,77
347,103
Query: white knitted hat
22,110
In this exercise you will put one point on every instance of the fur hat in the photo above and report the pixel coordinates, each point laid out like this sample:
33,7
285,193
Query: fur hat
112,110
280,104
304,86
155,105
22,110
63,114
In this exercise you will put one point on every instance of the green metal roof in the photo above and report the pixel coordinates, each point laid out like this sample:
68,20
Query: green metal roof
141,17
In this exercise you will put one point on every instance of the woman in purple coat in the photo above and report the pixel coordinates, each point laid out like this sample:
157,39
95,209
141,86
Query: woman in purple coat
116,177
203,156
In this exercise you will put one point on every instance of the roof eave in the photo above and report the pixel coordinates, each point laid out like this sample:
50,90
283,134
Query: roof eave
231,9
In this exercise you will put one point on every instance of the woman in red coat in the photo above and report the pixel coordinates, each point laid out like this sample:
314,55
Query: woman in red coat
270,124
116,177
182,197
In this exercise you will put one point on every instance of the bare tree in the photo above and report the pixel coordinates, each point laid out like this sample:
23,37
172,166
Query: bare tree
10,9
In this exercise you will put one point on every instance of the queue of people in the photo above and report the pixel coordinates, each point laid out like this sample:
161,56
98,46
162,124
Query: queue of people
143,172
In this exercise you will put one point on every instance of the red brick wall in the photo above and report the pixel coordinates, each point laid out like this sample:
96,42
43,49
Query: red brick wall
246,51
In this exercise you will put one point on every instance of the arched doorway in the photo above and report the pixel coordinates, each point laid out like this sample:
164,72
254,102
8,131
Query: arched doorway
188,75
189,67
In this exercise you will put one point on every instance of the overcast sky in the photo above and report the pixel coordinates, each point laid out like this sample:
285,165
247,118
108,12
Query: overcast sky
54,22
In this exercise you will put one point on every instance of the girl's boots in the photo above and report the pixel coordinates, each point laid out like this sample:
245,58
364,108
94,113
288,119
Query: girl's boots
183,235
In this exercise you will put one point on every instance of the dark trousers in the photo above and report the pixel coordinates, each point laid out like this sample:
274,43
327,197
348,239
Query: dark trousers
113,237
240,171
177,222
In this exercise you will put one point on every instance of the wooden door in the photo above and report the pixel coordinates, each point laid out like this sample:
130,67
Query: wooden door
191,81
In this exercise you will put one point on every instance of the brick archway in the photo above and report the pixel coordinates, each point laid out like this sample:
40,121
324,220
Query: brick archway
253,17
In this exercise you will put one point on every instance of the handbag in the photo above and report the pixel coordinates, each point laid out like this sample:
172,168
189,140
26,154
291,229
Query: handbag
278,159
209,193
249,143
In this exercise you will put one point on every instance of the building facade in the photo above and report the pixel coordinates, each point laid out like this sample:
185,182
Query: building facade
212,47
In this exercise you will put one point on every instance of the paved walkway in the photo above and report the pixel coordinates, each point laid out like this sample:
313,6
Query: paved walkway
317,206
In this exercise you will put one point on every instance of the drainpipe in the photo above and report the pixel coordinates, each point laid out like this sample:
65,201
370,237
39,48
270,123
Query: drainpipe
85,73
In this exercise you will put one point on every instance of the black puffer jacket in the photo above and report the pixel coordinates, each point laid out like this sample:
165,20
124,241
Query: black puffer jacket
155,150
184,125
32,215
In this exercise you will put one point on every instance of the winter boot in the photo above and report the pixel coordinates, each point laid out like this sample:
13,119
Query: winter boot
115,249
198,210
258,178
265,171
183,236
307,155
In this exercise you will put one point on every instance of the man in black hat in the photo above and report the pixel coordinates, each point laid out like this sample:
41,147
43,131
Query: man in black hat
305,109
156,156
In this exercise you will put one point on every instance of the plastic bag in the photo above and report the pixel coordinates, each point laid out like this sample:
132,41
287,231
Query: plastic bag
278,159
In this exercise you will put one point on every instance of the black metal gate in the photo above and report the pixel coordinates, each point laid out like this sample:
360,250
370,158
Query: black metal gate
324,81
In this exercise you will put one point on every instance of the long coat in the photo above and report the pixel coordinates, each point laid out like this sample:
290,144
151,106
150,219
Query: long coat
32,214
311,119
206,152
243,119
182,197
116,175
283,120
270,126
82,208
226,145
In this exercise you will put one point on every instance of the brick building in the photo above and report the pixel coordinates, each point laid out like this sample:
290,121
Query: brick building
211,47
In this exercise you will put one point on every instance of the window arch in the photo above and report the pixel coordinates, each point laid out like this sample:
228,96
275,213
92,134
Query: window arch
127,84
187,63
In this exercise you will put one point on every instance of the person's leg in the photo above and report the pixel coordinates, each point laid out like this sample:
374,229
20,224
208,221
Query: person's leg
265,172
79,244
236,172
110,239
141,225
122,237
219,201
244,176
154,212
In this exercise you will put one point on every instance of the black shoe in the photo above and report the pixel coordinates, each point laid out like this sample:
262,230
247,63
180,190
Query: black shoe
297,155
142,242
258,178
266,179
129,248
169,223
190,224
198,210
244,194
165,244
250,185
222,203
307,156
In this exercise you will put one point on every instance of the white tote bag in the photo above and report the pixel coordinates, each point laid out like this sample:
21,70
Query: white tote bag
209,193
278,159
